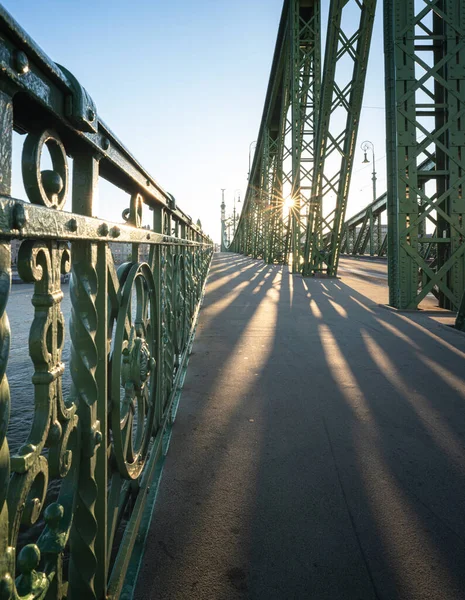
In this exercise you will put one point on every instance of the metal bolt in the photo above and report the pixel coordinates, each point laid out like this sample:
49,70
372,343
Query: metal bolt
20,216
90,115
115,231
103,229
21,62
148,236
147,182
72,225
106,143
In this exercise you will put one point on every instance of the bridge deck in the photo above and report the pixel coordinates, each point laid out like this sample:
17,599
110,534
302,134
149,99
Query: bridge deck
318,451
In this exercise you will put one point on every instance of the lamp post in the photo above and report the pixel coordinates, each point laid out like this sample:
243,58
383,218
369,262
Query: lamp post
234,209
250,156
228,229
223,220
367,145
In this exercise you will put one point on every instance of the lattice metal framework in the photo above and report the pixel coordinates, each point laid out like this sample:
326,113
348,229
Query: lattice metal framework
315,145
364,233
278,197
425,116
312,127
346,58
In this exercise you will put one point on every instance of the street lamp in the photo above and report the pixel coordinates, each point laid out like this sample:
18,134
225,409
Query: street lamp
367,145
234,208
250,153
223,219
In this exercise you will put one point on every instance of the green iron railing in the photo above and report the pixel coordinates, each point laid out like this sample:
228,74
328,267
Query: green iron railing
82,474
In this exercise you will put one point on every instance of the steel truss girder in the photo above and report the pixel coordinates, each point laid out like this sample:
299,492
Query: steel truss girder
425,115
283,161
340,95
301,118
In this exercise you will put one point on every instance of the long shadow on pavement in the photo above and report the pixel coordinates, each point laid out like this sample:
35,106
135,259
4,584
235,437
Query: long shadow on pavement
318,450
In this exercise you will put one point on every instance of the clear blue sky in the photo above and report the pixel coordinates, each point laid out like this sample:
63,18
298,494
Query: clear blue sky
182,84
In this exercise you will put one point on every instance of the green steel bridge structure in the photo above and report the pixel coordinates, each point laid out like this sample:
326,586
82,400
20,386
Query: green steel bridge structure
296,200
83,479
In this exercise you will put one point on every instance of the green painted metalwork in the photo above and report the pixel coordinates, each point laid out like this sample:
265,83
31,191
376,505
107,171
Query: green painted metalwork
425,107
307,140
345,64
364,233
277,201
460,319
82,474
304,155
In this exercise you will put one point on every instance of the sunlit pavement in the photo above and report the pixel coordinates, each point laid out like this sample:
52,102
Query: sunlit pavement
318,451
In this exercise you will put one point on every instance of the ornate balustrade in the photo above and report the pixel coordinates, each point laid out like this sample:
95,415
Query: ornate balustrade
79,482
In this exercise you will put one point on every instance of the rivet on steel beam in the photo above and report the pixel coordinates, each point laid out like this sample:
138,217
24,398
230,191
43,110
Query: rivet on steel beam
20,216
106,144
115,231
148,236
72,225
148,182
90,115
21,62
103,229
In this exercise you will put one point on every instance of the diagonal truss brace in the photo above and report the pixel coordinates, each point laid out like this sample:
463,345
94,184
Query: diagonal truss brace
344,73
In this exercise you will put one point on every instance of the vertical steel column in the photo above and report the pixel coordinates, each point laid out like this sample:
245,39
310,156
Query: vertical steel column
305,88
425,104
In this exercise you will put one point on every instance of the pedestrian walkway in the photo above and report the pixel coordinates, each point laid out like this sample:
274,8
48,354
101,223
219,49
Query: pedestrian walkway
318,451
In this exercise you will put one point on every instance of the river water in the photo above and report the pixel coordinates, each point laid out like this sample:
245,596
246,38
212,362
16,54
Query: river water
20,368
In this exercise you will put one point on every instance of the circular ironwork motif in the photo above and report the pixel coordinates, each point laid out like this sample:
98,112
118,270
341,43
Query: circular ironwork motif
48,187
132,367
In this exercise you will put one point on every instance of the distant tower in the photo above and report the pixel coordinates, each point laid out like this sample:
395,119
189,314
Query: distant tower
223,219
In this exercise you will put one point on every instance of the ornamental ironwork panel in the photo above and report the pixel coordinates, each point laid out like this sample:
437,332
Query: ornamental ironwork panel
73,493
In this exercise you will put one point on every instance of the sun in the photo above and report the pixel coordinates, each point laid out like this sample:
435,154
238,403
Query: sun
289,202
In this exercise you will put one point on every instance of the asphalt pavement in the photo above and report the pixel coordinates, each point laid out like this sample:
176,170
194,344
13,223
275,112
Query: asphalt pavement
318,451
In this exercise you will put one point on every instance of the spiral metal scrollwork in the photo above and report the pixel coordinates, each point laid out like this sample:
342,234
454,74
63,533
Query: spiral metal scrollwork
167,316
84,357
179,303
55,428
